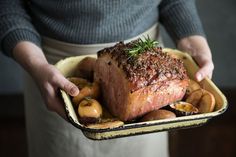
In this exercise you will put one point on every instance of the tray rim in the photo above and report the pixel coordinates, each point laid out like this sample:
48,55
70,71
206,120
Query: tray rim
145,124
206,116
104,136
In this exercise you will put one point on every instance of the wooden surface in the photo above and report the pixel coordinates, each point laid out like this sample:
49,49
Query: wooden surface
217,138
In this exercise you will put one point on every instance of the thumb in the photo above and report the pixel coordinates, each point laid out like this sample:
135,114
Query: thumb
68,86
205,70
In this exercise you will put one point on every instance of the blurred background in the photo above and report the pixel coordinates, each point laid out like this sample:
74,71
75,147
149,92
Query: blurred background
217,138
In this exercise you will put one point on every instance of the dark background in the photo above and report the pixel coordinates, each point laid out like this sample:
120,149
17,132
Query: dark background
217,138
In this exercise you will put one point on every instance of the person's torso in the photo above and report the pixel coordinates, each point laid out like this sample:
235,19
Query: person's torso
97,21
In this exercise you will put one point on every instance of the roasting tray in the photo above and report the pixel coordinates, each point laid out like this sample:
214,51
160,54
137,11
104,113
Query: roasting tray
68,67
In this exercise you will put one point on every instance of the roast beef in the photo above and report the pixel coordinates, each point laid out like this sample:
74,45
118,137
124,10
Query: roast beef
134,85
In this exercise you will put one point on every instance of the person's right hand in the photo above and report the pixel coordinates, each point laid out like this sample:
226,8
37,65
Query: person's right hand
47,77
49,81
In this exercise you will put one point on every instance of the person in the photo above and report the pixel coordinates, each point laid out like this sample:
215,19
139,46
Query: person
39,33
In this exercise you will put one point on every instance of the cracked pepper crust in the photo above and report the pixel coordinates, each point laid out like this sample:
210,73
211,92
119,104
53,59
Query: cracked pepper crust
148,68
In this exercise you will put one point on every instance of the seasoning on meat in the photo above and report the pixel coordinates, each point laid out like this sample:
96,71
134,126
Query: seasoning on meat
134,84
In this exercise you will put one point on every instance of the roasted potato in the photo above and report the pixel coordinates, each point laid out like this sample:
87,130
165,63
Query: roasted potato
90,108
158,114
207,102
195,97
202,99
79,82
106,124
89,90
182,108
193,85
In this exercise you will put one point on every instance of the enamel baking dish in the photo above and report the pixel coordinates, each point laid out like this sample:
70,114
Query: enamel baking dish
68,68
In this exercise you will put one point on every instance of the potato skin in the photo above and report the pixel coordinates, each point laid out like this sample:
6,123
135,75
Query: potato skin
203,100
90,108
158,114
106,125
90,90
195,97
87,89
207,102
79,82
193,86
182,108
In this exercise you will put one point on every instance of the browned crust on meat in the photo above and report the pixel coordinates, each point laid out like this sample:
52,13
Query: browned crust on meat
148,68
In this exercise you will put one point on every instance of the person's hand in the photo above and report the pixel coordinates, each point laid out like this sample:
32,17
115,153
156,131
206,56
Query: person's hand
198,48
47,77
49,81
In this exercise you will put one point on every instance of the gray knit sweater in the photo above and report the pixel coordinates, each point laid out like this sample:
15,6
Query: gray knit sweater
92,21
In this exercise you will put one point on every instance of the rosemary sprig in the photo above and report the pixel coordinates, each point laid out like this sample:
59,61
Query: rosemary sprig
141,46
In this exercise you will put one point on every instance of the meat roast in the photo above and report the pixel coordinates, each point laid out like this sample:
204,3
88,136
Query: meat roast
136,80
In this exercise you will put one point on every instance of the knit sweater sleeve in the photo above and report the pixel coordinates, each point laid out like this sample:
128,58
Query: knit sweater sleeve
180,18
15,26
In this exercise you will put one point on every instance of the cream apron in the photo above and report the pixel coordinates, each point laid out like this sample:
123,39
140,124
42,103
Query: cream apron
51,136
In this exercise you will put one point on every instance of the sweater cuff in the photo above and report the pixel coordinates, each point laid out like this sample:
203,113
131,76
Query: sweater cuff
182,21
16,36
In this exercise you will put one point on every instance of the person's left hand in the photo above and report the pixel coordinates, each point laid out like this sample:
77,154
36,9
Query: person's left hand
198,48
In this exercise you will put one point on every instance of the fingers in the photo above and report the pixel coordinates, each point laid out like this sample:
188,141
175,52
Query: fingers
205,70
49,80
61,82
57,106
198,48
60,110
53,102
69,87
204,60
